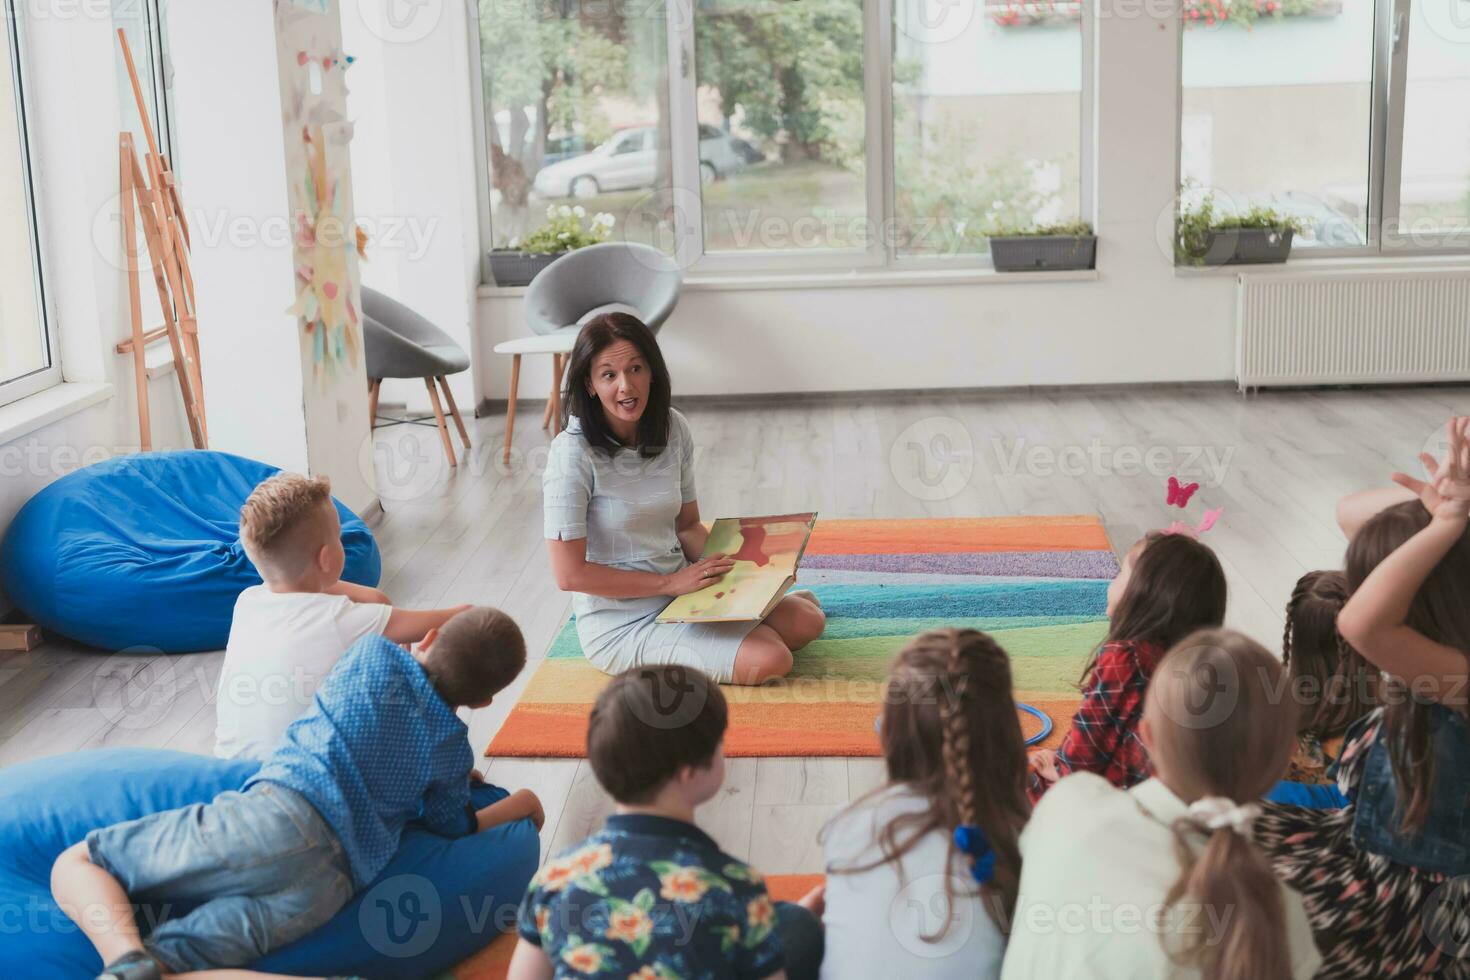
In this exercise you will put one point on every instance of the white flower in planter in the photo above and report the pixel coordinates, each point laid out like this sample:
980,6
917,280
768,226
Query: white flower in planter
579,211
604,219
564,211
515,242
564,235
551,211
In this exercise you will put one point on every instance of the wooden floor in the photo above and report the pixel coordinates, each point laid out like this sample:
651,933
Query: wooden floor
1276,462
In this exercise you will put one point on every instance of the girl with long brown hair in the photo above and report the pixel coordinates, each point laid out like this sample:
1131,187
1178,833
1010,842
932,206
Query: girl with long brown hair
1168,586
922,872
1387,879
1164,880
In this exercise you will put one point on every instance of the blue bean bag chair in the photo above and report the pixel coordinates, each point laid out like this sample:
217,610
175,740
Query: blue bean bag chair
144,551
438,901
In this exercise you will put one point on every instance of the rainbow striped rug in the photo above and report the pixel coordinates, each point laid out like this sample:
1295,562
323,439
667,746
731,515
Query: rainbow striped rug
1039,584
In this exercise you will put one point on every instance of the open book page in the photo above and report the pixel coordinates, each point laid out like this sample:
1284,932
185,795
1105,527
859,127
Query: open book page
766,550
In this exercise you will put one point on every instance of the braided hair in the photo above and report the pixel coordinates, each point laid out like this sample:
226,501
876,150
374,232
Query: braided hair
951,735
1334,684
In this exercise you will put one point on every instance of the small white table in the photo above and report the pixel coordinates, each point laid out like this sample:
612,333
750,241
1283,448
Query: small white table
558,344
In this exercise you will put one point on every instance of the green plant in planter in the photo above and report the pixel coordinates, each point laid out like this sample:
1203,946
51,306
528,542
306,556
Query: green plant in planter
1194,224
567,227
1072,229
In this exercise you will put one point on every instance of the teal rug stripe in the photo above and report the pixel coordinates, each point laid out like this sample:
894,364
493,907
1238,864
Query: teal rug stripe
1061,598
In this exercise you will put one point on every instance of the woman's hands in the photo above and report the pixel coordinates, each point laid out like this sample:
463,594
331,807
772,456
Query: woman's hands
1446,494
692,578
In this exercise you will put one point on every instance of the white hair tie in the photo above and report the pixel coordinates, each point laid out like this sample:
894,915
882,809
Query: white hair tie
1220,813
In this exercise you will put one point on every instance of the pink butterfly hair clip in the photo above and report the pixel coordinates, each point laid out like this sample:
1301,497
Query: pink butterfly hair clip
1206,522
1179,493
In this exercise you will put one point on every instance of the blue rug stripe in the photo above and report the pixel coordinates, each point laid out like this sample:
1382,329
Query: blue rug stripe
1063,598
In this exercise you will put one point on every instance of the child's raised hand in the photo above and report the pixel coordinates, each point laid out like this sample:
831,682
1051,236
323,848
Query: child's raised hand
1446,494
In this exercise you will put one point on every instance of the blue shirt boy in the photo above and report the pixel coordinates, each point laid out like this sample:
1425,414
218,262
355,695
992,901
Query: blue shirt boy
378,748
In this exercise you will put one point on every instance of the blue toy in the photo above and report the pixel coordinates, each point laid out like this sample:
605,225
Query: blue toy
144,551
438,901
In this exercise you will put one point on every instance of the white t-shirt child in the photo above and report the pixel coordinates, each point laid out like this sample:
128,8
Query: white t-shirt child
282,645
1096,864
876,919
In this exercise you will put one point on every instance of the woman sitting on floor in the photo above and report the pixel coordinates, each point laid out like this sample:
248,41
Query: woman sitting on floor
622,521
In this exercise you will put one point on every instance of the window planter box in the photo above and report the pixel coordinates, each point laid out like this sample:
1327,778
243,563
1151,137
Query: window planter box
512,267
1043,253
1247,246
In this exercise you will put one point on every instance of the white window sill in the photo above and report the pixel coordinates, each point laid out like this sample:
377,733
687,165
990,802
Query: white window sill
1306,264
848,279
21,418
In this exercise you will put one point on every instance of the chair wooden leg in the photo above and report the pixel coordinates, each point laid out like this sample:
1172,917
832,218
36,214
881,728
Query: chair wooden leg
374,386
551,396
464,435
443,426
510,408
558,365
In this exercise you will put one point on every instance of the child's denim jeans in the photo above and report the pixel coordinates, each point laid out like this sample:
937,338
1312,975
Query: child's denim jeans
234,879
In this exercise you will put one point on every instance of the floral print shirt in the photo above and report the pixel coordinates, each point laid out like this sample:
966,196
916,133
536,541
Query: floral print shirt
651,898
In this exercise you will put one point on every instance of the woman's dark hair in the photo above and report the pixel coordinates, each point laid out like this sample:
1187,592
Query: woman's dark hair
1439,611
1341,686
951,735
600,333
1177,587
650,722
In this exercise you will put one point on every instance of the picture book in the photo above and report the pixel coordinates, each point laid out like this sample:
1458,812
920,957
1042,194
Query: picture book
766,550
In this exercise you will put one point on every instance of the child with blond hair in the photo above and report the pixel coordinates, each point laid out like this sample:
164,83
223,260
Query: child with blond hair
289,632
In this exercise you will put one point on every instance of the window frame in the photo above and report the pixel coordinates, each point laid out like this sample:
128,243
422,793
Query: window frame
1385,143
33,382
879,254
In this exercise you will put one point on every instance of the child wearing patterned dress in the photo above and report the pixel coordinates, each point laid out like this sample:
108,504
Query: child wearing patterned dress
381,746
1168,586
651,895
1386,878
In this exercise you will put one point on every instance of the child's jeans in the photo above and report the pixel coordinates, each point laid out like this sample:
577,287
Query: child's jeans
234,879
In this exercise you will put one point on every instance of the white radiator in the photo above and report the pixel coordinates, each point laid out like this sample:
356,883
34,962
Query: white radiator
1353,328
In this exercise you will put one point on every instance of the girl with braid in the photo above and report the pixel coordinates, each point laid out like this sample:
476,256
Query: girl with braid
1331,683
922,872
1165,879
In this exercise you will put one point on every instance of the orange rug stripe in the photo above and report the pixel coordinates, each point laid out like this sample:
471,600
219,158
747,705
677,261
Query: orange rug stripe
865,537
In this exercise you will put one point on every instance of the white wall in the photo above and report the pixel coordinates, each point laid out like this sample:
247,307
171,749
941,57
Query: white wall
414,168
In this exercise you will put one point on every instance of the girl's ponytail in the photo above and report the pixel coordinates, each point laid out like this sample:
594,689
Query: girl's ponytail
1233,926
1226,905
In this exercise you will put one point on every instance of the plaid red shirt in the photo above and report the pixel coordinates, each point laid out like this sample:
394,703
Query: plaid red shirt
1104,736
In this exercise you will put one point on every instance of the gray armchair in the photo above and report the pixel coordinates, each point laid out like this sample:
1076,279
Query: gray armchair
399,343
623,276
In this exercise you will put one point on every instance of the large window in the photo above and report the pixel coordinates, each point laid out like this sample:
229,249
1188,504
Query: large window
1351,116
28,360
776,134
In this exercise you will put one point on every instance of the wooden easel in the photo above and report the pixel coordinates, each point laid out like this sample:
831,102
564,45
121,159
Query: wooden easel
155,198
